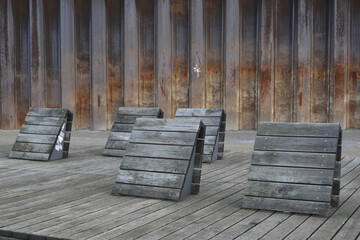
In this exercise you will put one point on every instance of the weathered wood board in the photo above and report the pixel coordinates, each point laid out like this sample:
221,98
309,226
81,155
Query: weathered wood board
123,125
295,168
162,159
44,135
215,122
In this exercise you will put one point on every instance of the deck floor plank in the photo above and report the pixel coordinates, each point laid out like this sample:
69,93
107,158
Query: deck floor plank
71,198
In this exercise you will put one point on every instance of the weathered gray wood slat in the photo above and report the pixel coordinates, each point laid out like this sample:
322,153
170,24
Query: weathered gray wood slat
36,129
291,175
130,119
208,121
155,165
160,163
298,144
44,130
123,125
40,120
30,155
293,162
214,120
34,138
132,111
199,112
156,179
169,125
286,205
118,127
293,159
116,144
33,147
210,140
171,138
119,136
146,191
47,112
299,129
114,152
162,151
288,191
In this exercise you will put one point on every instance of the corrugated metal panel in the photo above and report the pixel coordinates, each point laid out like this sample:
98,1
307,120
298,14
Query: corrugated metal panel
281,60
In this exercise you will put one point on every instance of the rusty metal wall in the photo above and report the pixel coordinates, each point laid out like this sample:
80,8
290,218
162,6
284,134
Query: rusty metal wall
279,60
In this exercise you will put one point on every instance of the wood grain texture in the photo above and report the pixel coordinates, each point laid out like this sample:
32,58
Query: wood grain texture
267,81
304,60
37,53
283,81
232,62
98,66
286,205
123,125
67,60
289,191
82,63
161,162
52,54
320,82
354,67
213,16
309,160
22,48
289,144
163,58
197,57
115,57
299,130
7,59
146,26
248,79
131,54
295,168
180,86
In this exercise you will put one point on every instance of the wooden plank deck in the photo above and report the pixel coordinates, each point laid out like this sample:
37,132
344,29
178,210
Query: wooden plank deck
70,199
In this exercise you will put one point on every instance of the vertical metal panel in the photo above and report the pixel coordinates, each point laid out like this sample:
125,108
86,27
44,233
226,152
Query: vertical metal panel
354,66
232,63
266,104
22,77
115,63
281,60
320,83
197,54
248,81
340,61
146,53
213,29
163,71
7,60
52,53
180,55
283,94
83,72
67,53
304,60
37,54
98,65
131,54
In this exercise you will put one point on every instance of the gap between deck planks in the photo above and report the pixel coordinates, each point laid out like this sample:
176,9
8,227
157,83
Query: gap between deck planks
215,211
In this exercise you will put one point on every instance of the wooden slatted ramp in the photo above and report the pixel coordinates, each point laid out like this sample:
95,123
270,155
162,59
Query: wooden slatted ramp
215,122
44,135
295,168
123,125
162,159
